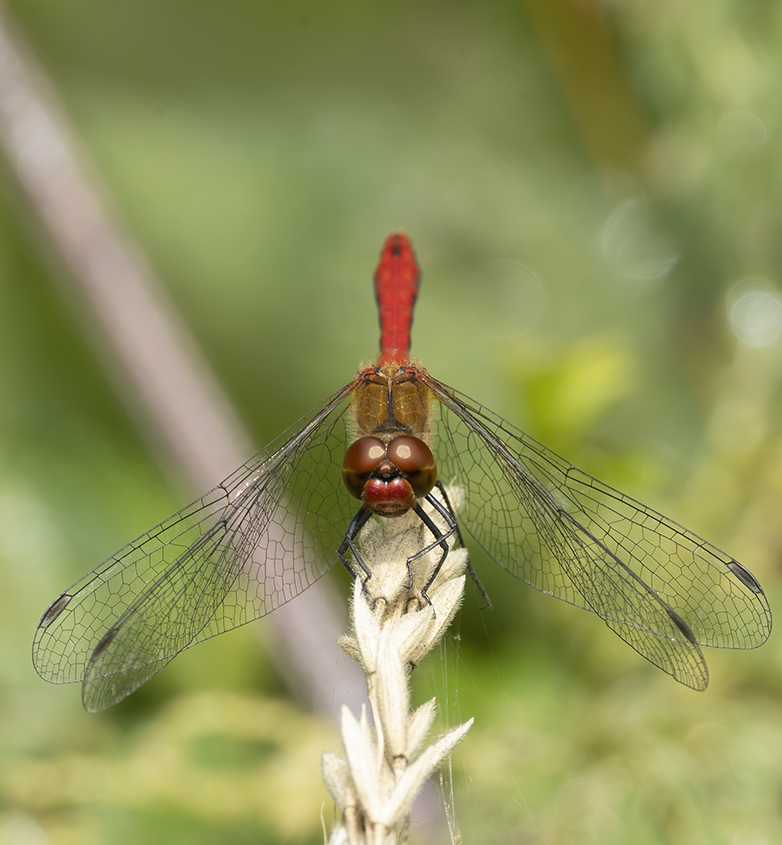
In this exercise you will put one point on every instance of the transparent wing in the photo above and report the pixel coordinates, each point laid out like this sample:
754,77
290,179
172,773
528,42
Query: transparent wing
256,541
661,588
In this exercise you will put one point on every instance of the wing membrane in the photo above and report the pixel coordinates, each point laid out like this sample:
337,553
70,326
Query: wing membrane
256,541
660,587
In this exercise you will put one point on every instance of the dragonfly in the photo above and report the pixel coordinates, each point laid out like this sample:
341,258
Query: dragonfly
387,444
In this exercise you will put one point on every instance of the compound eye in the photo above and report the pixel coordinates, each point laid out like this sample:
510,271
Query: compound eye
361,459
415,459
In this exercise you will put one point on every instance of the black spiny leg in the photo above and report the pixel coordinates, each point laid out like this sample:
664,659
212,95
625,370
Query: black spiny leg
356,524
445,509
440,539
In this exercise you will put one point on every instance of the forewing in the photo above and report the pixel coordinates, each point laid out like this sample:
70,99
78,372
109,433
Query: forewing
256,541
659,586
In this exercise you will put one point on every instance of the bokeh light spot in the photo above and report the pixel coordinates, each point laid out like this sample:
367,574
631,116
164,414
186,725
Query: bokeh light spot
755,311
636,247
741,133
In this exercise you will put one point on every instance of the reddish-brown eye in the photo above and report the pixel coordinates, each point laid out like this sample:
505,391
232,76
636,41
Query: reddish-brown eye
415,459
361,459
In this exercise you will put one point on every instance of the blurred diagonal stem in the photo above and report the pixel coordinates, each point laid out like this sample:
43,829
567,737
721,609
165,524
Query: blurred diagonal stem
153,361
584,54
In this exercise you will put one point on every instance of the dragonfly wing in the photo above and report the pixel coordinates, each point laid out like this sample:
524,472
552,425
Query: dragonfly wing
256,541
659,586
627,605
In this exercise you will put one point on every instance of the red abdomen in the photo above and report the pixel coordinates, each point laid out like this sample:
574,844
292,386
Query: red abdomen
396,287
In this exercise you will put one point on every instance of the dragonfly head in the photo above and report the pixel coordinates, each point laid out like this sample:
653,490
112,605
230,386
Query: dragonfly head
388,477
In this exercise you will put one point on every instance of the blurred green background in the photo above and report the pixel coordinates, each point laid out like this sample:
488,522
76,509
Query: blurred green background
593,190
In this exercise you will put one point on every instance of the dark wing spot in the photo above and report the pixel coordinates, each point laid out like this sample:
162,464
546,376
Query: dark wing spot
103,644
682,626
54,610
745,576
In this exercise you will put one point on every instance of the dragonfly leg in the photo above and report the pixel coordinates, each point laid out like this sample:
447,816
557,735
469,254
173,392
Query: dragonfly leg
440,539
445,510
447,513
356,524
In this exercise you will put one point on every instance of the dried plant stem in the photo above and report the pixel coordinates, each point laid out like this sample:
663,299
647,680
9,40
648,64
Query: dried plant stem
386,758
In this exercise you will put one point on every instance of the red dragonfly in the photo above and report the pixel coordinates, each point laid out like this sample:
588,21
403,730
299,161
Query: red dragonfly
387,438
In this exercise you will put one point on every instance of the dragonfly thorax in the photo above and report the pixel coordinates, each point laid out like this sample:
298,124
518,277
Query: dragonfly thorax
388,477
